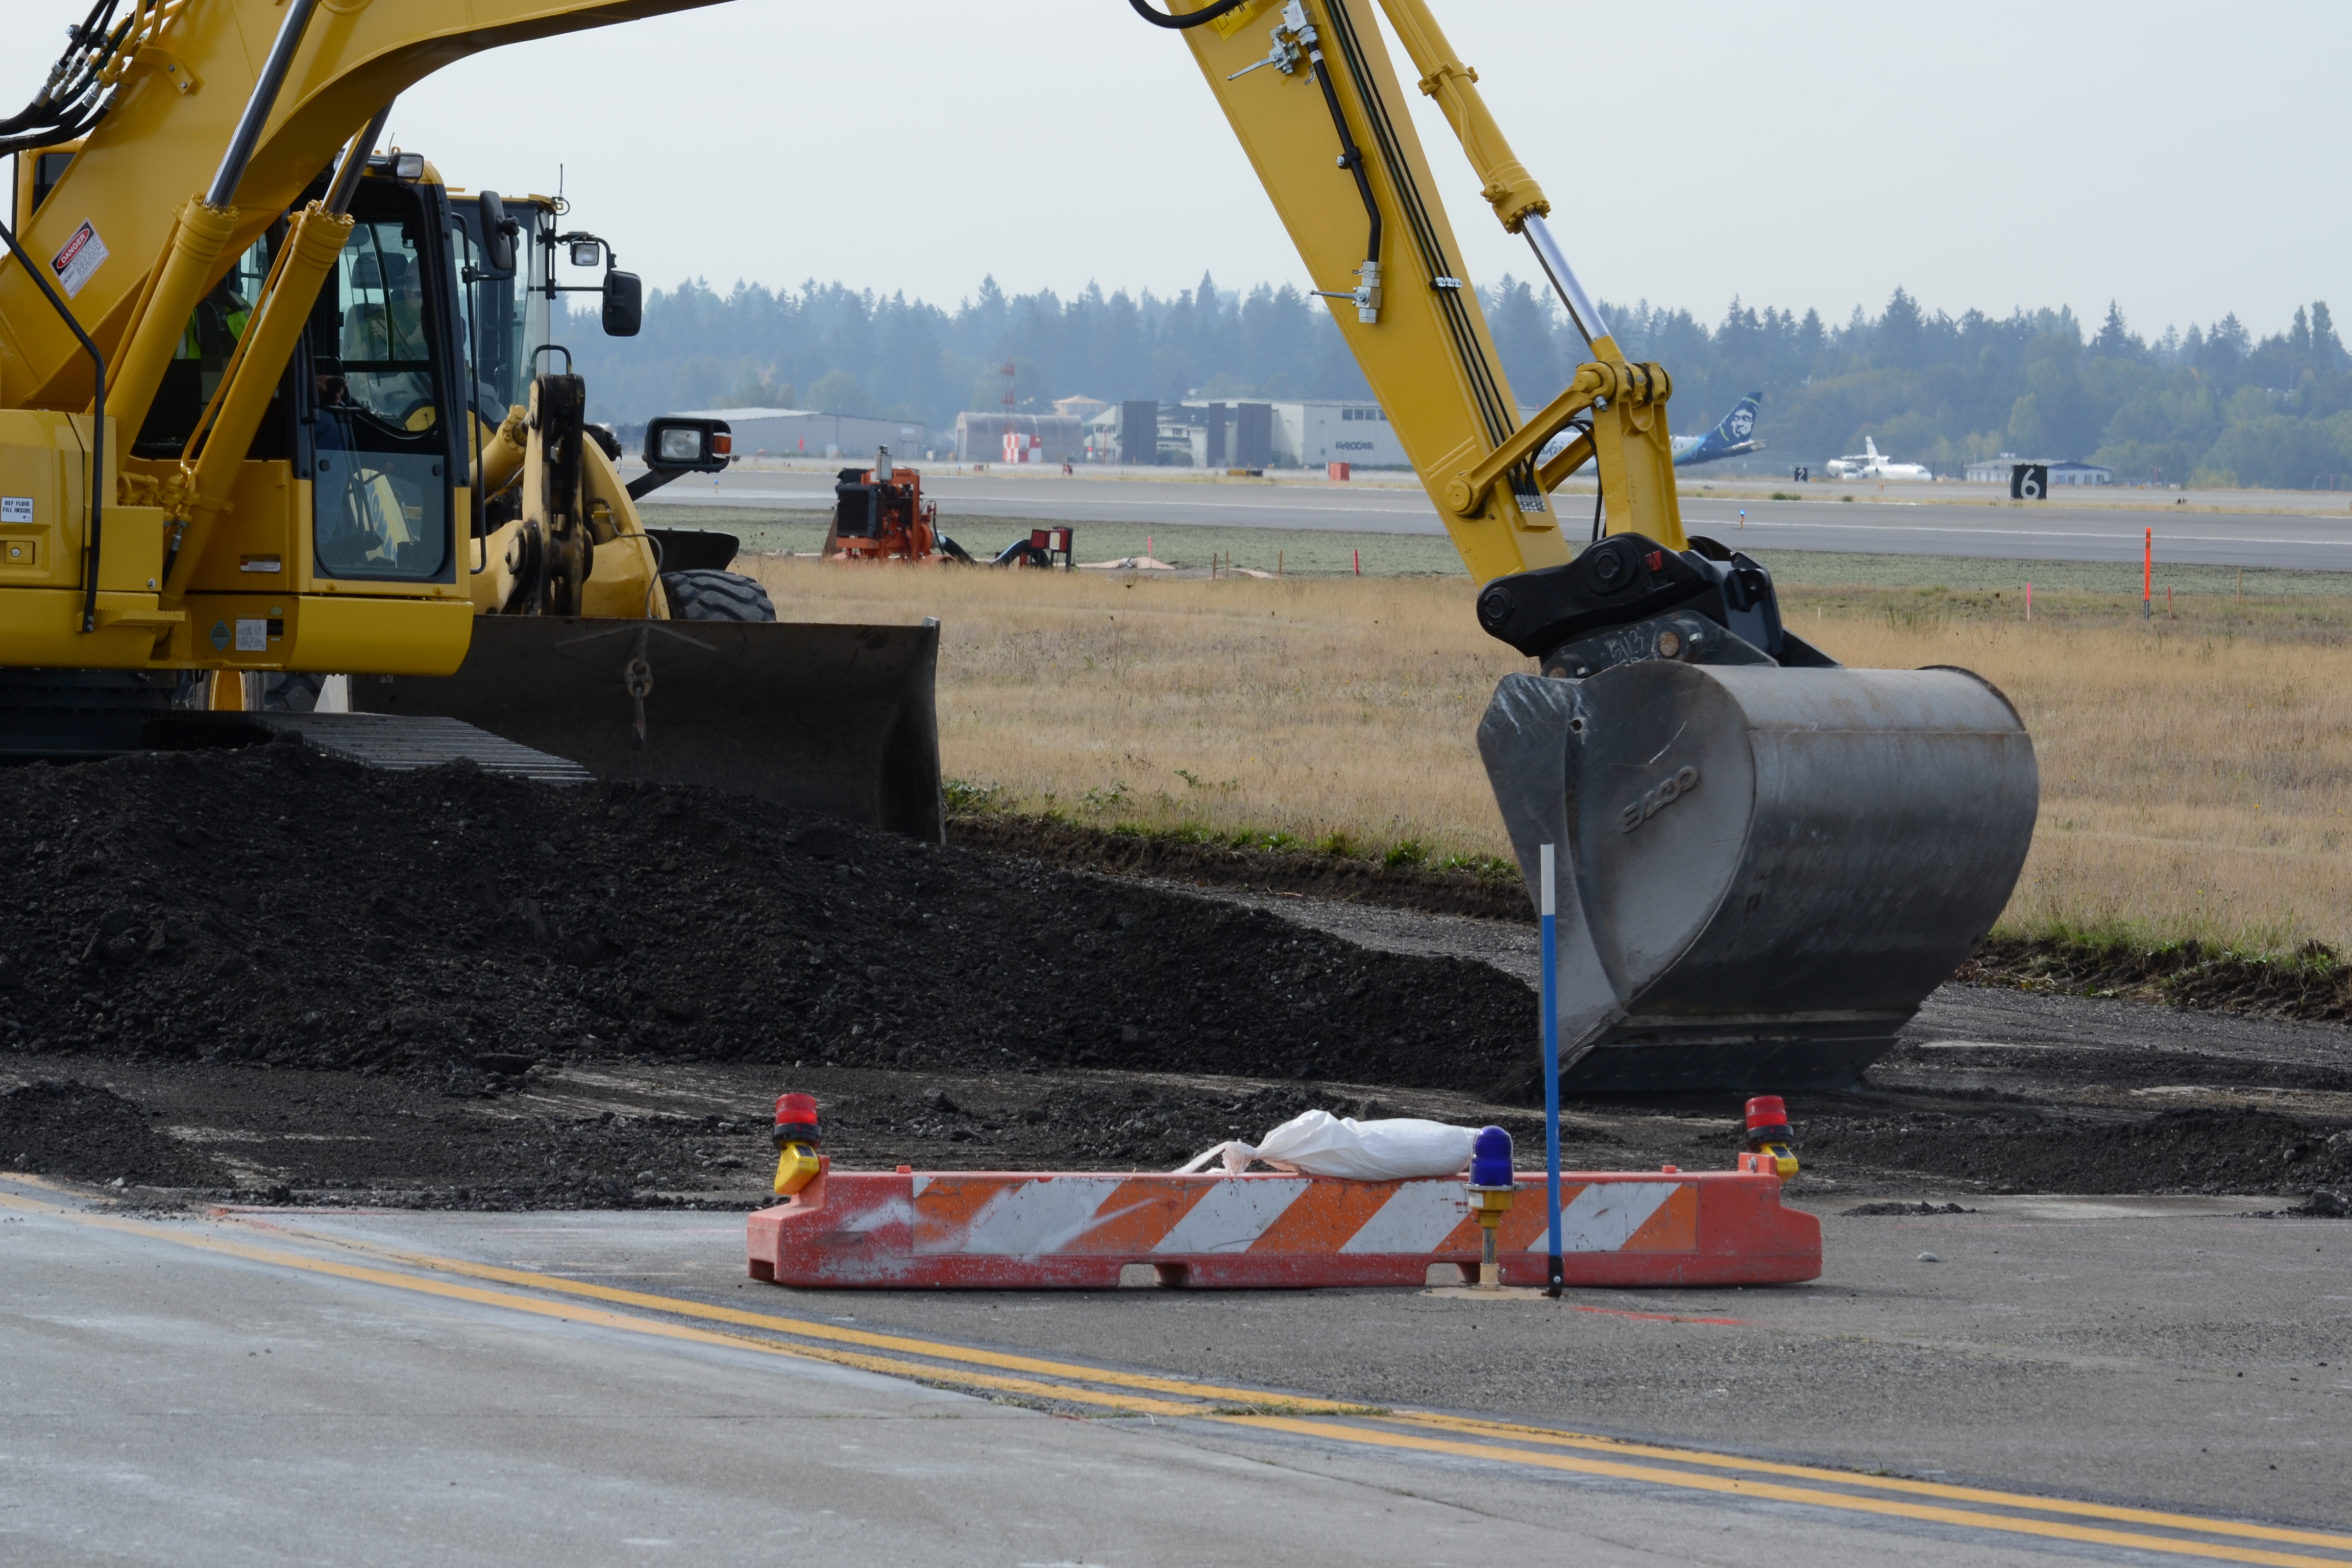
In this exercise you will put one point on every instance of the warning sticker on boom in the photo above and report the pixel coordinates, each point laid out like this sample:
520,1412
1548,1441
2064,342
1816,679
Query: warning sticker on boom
79,259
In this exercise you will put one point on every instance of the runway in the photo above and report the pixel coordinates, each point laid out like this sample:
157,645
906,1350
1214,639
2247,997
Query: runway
2305,538
371,1387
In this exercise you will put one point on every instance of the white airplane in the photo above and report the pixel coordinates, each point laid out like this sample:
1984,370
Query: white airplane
1869,465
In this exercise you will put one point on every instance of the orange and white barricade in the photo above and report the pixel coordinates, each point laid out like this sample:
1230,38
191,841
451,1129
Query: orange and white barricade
1024,1230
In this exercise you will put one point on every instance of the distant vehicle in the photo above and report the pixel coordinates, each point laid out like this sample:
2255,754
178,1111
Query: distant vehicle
1735,437
1869,465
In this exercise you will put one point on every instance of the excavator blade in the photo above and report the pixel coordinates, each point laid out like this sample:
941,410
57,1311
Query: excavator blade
1761,871
835,718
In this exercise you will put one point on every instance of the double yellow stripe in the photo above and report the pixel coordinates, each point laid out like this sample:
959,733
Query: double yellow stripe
1547,1435
595,1318
1814,1495
804,1328
1114,1392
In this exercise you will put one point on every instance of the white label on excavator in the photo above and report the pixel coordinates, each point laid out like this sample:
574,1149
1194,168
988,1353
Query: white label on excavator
16,509
252,635
79,259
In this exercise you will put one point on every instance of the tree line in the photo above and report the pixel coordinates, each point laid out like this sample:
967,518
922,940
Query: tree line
2211,407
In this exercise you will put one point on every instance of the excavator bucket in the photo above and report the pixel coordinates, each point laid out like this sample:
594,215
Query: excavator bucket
1760,871
833,718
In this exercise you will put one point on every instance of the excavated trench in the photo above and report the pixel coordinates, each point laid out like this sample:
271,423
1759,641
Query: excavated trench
271,974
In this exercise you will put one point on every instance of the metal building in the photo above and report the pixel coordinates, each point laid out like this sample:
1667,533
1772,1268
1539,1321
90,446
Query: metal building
1314,434
1996,471
981,437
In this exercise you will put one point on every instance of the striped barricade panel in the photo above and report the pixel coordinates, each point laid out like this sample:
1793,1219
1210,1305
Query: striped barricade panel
1022,1230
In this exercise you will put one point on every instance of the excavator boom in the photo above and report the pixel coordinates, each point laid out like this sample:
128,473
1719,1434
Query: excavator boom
1762,862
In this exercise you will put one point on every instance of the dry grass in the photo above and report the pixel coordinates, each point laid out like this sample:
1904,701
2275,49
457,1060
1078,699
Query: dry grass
1303,707
2196,773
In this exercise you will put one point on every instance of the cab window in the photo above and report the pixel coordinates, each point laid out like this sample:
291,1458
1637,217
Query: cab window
381,478
201,358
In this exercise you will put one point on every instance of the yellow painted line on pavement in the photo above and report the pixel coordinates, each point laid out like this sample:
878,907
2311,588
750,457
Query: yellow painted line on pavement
1303,1421
597,1318
1813,1496
1260,1397
803,1327
1557,1438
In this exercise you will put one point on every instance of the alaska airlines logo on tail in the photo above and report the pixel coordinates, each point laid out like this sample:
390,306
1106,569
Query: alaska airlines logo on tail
1733,438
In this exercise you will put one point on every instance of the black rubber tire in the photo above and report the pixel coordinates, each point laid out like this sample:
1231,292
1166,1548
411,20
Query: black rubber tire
716,597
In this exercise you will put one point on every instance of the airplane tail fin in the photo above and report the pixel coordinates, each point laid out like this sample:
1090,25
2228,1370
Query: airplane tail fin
1871,447
1735,436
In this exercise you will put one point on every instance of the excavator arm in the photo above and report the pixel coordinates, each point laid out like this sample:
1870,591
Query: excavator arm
1760,862
1310,91
181,77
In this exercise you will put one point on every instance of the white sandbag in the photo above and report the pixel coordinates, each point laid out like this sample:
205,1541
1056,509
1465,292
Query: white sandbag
1321,1144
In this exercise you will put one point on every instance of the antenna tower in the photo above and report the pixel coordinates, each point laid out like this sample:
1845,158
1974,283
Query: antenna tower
1011,421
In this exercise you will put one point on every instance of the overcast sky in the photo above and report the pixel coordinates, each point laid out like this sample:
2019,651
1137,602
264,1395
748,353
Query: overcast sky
2185,159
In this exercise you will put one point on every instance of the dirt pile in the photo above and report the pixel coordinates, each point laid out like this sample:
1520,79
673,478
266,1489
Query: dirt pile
2312,983
278,906
2028,1151
661,1134
90,1135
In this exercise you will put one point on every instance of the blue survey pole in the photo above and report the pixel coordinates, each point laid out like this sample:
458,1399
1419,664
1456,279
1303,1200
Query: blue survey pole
1549,874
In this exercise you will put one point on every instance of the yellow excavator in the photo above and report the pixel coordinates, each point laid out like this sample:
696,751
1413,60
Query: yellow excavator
339,457
1756,863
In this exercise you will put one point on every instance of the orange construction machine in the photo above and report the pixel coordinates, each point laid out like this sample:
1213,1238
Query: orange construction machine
880,514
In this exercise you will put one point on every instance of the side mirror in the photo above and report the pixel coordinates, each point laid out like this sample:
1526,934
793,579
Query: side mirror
624,304
499,233
676,444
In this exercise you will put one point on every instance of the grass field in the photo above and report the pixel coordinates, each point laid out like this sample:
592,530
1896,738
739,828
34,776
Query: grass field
2196,768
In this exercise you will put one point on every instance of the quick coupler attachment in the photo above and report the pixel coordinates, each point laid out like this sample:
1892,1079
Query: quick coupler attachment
1628,598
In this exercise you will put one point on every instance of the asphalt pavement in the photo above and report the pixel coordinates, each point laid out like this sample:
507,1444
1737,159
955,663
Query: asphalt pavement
2121,1381
2307,532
